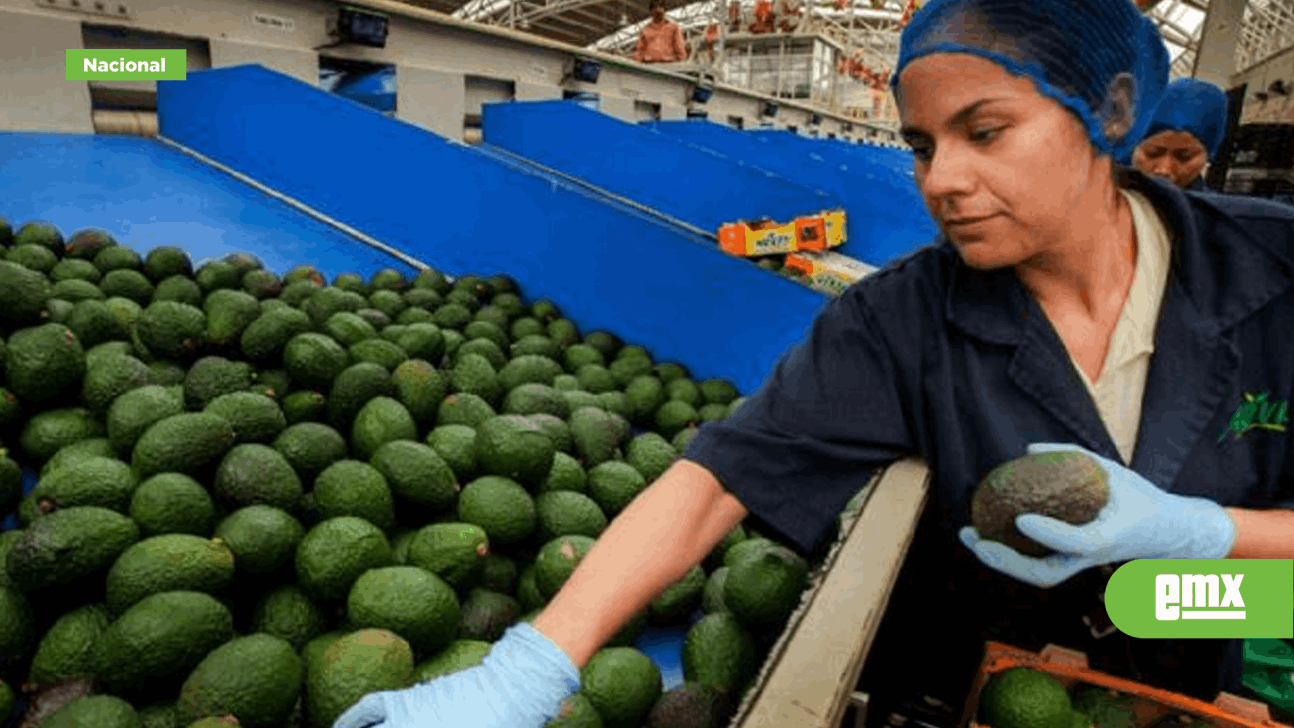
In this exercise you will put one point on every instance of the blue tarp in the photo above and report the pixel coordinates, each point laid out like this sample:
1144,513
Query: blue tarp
461,211
885,215
692,184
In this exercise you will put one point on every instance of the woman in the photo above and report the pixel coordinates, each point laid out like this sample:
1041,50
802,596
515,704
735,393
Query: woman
1185,135
1062,304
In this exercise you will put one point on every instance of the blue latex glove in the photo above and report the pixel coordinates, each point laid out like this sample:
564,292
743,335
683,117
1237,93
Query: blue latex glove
1140,521
520,684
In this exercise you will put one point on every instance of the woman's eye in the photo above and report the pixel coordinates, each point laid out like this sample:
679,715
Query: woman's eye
985,135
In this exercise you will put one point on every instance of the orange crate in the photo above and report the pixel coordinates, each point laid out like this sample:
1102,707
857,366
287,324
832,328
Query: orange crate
1070,667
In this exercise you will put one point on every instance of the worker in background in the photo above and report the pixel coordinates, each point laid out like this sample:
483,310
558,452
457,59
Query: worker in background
764,17
1044,316
1184,137
789,13
661,40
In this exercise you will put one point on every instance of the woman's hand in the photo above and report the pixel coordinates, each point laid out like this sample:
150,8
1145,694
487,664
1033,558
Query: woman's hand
1140,521
521,684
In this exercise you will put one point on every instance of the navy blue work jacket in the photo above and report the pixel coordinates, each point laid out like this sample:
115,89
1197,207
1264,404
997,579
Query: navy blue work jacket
931,358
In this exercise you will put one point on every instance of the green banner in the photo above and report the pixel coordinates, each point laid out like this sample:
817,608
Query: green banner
161,64
1203,598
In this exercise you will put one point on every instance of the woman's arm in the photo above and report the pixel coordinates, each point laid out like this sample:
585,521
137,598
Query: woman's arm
1266,534
669,528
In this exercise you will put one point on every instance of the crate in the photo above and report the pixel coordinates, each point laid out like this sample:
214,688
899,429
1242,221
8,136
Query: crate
809,677
1070,667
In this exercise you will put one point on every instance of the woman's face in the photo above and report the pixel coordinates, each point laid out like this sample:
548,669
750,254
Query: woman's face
1177,156
1002,168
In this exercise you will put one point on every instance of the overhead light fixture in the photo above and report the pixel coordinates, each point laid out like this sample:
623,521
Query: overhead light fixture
701,94
770,109
586,70
817,119
362,27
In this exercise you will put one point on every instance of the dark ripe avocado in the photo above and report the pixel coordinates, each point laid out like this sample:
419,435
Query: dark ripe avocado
1068,486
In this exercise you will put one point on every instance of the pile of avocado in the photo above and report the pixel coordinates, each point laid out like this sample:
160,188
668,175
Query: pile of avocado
264,497
1021,697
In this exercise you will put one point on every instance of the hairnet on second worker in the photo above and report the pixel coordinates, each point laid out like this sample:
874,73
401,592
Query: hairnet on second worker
1102,59
1193,106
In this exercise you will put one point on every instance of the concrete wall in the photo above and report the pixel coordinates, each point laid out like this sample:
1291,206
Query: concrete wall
433,54
1276,109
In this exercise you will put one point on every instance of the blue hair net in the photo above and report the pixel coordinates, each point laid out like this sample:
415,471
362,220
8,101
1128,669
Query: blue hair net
1074,51
1193,106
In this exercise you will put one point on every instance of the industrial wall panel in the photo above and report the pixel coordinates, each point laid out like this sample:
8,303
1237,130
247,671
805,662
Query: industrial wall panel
302,65
431,98
35,93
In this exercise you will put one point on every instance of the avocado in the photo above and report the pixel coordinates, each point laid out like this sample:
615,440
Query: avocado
566,513
421,388
165,261
1023,698
171,562
416,474
379,351
171,329
360,663
49,431
613,485
453,551
354,488
262,538
597,438
381,420
410,601
66,649
289,614
23,294
481,347
257,678
94,711
212,376
264,338
94,447
129,284
689,706
325,302
132,413
43,361
566,474
310,447
178,289
229,313
183,443
353,388
1068,486
75,290
254,417
473,374
422,340
651,455
557,560
348,328
622,684
172,503
262,284
218,274
336,552
679,599
95,481
464,409
159,640
765,589
675,416
304,406
513,447
500,506
720,654
86,243
68,544
252,474
486,614
458,655
456,445
112,378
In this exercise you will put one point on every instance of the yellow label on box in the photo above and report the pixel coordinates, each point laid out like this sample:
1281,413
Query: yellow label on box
740,239
835,222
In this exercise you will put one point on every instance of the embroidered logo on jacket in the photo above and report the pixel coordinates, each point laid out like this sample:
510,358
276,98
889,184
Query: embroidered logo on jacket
1257,413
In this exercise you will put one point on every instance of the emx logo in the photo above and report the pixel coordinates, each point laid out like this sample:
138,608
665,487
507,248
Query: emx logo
1202,598
1195,596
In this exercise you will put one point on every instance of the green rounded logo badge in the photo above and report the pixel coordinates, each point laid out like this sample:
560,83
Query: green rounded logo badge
1203,598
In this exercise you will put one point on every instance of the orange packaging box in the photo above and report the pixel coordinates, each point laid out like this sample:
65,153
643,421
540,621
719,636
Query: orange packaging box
834,228
827,271
1150,705
758,238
